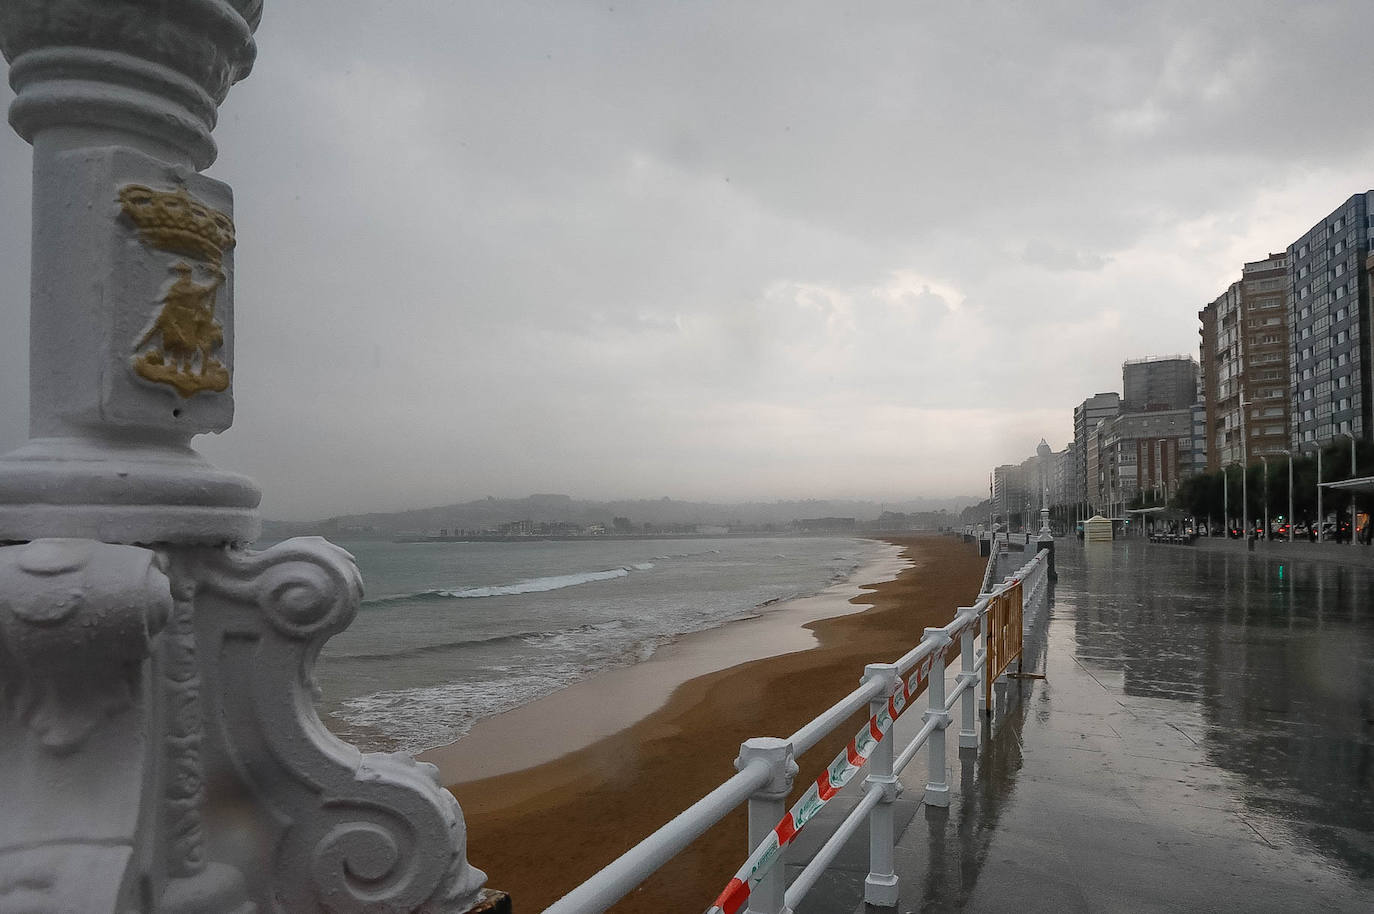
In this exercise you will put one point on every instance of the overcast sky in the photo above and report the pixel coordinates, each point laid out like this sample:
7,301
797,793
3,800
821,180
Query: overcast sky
726,250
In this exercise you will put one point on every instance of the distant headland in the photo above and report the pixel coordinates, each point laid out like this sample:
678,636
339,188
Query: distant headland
559,517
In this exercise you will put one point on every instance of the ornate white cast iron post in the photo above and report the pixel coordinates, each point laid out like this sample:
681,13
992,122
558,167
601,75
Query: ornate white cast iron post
158,741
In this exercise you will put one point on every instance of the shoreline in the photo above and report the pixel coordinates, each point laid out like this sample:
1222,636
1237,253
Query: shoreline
611,701
538,831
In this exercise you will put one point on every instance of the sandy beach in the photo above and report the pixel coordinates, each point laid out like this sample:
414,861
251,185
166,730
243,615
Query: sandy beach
555,790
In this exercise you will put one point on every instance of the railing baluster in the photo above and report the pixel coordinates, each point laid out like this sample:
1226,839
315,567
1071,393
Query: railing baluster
880,886
968,675
937,790
989,614
767,806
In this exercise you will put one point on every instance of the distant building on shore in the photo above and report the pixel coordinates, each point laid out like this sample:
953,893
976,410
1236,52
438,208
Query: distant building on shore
1244,356
826,524
1329,315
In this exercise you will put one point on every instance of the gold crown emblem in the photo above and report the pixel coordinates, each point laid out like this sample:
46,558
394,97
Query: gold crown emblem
175,221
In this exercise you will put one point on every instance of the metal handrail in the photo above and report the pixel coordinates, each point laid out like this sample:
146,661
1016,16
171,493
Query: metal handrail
759,775
825,723
809,876
613,883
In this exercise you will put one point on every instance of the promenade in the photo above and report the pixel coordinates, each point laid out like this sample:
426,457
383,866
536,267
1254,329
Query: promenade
1203,740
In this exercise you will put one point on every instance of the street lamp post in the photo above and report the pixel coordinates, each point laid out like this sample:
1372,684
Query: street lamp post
1226,501
1265,462
1352,491
1244,468
1321,518
1289,455
1244,502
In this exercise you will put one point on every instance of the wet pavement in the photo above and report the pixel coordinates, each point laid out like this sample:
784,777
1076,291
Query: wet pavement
1203,741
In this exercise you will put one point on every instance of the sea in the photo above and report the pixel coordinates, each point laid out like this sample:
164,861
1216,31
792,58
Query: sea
452,632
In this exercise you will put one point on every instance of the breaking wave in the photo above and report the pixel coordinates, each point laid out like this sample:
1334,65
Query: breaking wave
529,585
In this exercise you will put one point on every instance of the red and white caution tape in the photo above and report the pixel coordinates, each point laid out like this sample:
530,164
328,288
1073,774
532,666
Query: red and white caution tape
838,774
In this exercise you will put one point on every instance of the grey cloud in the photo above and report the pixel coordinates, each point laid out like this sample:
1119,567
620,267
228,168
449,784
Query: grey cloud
1044,254
533,246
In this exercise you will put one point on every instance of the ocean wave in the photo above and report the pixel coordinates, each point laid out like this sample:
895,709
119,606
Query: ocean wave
566,639
529,585
415,719
412,720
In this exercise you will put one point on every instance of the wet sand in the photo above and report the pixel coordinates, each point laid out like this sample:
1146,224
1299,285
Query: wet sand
540,827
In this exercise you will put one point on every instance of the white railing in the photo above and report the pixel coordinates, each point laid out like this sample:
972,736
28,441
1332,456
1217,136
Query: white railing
990,571
766,768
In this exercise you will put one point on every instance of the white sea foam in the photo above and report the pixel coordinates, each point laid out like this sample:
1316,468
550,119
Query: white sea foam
536,585
414,720
529,585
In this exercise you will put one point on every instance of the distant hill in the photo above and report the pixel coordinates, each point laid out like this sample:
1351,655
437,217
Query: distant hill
664,513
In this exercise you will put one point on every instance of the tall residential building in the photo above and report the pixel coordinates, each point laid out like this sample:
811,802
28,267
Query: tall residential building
1064,485
1168,382
1086,415
1329,316
1008,492
1244,365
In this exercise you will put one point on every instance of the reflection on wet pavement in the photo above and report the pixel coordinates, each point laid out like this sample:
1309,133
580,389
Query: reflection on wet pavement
1204,740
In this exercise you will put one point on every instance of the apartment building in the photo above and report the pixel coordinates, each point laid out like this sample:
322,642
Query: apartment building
1146,452
1329,316
1086,415
1244,355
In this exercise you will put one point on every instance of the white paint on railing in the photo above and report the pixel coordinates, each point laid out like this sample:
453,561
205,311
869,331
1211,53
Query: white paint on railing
815,731
635,865
880,886
937,788
968,676
767,806
808,877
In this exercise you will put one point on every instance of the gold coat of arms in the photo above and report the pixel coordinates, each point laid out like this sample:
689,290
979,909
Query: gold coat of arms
180,348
